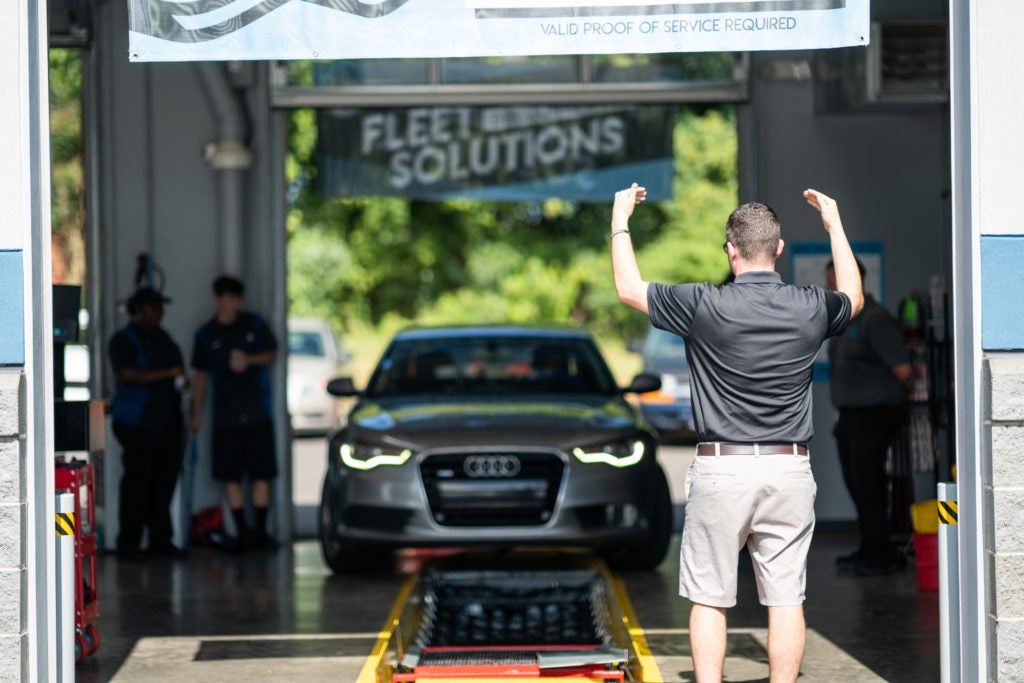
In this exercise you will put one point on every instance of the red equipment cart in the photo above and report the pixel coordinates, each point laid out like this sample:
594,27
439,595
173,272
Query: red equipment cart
77,478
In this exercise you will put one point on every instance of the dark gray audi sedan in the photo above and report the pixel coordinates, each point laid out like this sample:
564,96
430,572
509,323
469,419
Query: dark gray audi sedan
494,436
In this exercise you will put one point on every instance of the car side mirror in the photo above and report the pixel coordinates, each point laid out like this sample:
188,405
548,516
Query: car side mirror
642,384
342,386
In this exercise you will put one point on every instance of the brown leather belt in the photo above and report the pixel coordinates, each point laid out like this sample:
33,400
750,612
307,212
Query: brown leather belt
730,448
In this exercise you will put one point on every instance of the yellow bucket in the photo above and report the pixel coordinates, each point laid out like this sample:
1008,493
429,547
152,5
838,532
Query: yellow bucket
925,515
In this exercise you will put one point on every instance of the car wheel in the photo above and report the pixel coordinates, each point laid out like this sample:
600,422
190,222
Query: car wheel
649,554
341,557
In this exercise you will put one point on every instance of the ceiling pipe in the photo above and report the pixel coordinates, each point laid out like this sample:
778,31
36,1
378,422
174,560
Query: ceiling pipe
230,157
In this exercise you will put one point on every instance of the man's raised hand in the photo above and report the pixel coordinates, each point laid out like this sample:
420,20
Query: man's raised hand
626,199
826,206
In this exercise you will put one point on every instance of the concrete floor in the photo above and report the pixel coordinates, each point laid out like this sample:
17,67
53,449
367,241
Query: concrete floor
282,616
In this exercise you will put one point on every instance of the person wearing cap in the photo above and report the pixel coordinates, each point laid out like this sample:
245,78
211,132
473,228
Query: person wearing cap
751,345
149,377
231,355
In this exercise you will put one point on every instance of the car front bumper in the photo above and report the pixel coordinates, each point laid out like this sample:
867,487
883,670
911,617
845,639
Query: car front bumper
596,505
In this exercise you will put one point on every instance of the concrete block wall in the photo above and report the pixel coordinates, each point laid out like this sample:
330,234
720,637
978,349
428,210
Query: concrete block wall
13,572
1004,503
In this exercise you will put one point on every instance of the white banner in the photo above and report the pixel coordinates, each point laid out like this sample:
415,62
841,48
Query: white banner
198,30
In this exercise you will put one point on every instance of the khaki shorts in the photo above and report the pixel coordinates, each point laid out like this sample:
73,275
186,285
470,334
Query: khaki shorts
765,502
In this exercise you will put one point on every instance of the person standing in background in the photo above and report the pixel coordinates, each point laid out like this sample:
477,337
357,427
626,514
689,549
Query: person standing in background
148,423
231,355
871,375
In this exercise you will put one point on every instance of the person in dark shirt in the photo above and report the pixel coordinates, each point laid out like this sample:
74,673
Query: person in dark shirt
750,345
147,421
230,357
871,373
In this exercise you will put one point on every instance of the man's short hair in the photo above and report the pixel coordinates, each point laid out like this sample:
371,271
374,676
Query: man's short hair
754,230
860,266
226,284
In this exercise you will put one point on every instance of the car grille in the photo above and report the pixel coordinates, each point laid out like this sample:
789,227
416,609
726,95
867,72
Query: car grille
492,489
365,517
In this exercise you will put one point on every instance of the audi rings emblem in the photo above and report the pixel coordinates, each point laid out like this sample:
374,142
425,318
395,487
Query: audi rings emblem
491,466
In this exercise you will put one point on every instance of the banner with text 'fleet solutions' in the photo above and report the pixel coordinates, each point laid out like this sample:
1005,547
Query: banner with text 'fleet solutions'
578,153
198,30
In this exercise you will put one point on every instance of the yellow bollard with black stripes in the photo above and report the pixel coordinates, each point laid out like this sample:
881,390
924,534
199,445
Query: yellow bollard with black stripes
949,581
947,511
67,640
65,523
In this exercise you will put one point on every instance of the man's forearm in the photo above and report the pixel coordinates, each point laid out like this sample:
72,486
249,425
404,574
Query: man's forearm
845,264
140,376
262,358
631,288
198,393
847,273
904,373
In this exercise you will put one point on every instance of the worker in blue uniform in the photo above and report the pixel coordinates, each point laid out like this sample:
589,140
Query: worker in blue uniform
149,377
231,358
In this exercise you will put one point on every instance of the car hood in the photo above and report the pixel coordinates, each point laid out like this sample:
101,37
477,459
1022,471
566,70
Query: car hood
521,423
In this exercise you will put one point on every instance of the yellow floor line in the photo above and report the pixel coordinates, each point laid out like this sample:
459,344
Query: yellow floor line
368,674
652,674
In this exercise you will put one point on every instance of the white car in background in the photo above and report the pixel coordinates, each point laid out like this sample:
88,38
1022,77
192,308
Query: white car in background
314,358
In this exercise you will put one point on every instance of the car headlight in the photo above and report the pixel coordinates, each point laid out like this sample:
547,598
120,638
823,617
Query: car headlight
616,455
367,458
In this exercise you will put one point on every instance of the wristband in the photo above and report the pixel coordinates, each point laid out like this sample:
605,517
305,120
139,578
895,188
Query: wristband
619,232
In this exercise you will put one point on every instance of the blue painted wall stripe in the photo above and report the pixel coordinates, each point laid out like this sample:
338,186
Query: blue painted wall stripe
1002,300
12,307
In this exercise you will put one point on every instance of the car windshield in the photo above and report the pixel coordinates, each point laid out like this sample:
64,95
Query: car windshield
305,343
491,365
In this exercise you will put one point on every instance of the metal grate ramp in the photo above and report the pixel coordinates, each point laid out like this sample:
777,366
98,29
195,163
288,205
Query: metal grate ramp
512,608
511,624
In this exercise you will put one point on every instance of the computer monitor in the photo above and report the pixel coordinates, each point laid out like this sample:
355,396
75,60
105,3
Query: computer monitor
66,302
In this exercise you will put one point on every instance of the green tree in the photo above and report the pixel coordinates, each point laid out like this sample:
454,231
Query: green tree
688,247
387,262
67,186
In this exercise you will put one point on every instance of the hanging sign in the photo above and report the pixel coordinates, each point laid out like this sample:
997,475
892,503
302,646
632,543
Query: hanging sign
580,153
197,30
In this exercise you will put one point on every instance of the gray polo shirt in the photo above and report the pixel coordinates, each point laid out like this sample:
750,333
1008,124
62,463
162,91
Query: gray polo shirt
751,346
862,360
